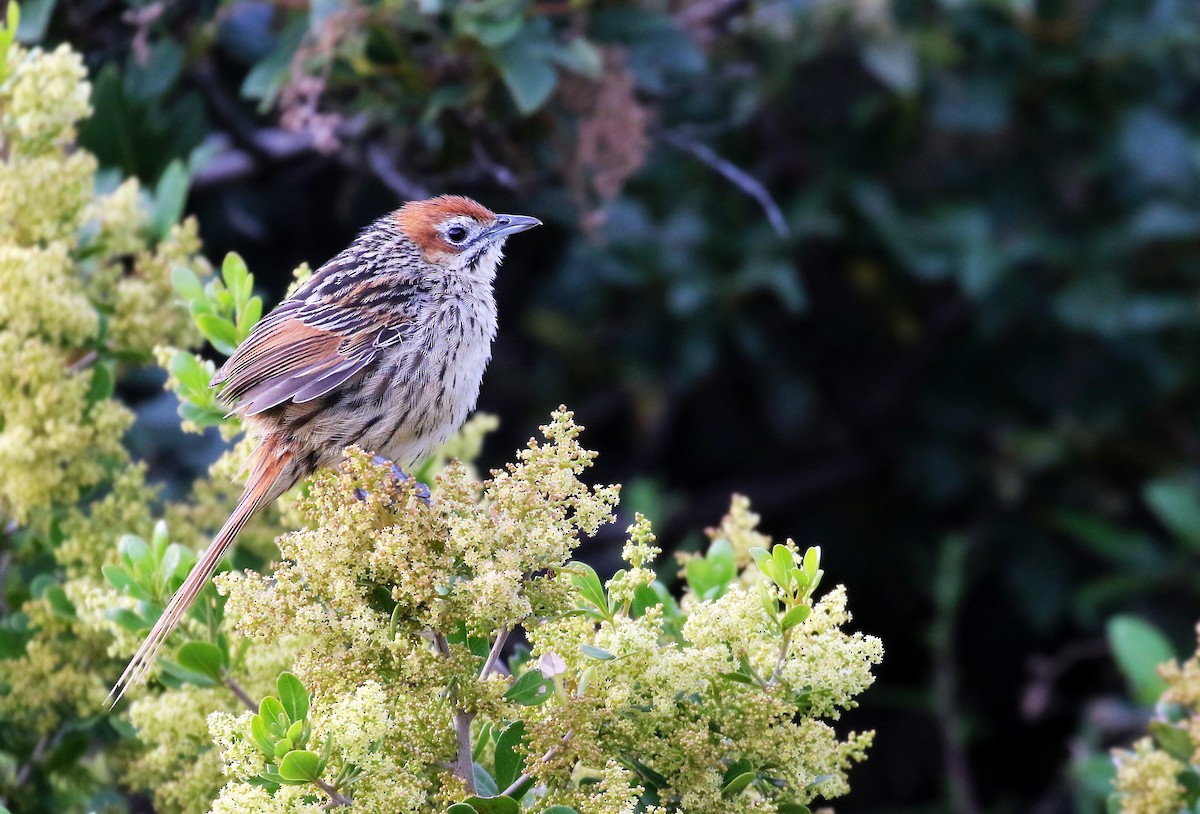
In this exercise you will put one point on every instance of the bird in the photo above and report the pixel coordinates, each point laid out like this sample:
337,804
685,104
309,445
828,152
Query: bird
383,347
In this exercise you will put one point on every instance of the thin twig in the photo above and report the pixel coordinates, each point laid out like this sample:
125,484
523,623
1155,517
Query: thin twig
34,758
526,777
242,695
732,173
494,654
949,585
335,796
784,646
83,362
462,727
499,173
6,561
379,158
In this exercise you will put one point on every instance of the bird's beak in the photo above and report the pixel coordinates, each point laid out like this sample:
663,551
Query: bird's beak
511,224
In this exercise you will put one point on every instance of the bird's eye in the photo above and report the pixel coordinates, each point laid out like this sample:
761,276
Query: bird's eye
456,234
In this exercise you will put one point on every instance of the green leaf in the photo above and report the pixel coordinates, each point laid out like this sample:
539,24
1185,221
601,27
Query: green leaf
560,810
272,712
489,805
102,385
782,557
187,284
580,56
812,562
509,763
584,577
1191,786
1139,648
127,619
220,332
594,652
1174,741
644,598
526,71
647,775
203,658
120,579
137,555
792,808
171,559
170,196
145,84
485,784
59,603
762,558
292,696
530,689
178,676
249,316
1176,504
300,765
482,739
739,678
490,22
708,577
266,78
192,374
262,736
34,19
795,616
461,808
237,278
321,11
738,784
738,767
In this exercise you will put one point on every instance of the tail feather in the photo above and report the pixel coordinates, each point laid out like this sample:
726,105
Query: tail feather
267,464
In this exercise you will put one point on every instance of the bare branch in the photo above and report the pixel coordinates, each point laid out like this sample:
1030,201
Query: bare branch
526,777
489,665
462,727
39,751
731,173
336,798
385,169
84,362
242,695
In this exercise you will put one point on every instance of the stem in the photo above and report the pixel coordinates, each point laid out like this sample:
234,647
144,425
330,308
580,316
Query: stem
462,727
733,174
494,654
242,695
950,583
84,362
526,777
336,798
35,757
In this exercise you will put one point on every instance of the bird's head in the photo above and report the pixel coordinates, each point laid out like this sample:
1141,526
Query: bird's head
458,234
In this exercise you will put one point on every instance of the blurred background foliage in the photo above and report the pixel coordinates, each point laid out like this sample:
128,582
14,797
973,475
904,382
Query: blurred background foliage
922,278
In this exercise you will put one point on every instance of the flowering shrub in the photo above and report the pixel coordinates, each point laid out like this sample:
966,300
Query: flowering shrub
1160,774
407,654
84,270
392,613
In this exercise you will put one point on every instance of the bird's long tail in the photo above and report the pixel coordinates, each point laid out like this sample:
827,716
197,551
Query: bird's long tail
267,466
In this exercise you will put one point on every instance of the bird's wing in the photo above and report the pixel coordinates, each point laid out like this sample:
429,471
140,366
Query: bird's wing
301,351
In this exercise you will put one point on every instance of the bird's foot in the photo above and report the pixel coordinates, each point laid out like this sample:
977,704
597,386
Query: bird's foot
421,490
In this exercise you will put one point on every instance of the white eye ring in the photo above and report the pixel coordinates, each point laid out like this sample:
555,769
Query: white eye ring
456,234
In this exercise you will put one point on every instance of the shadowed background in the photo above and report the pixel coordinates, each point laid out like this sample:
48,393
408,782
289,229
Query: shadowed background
919,278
